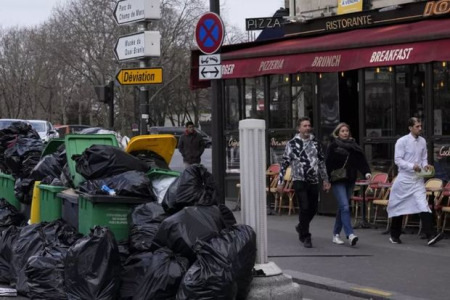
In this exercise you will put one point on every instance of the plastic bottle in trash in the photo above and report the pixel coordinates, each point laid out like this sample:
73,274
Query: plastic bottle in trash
108,190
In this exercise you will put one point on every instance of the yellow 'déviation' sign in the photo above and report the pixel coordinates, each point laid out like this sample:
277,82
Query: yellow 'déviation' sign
140,76
349,6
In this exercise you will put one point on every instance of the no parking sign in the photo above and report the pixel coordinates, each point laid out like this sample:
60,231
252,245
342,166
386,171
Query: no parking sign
209,33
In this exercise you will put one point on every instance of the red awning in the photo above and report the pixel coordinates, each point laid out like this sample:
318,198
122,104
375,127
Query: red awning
418,42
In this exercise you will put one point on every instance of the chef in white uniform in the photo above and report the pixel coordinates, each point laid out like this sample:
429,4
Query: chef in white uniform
408,194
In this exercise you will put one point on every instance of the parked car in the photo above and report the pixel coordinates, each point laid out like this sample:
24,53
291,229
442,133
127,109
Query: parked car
6,122
45,129
178,131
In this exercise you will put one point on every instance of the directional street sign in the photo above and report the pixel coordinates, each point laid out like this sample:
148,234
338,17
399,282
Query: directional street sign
210,72
129,11
140,76
208,60
209,33
138,45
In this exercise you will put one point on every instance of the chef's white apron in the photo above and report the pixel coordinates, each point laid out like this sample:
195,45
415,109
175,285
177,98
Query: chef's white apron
408,195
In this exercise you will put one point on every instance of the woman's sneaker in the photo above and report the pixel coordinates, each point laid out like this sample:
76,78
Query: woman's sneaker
352,239
337,239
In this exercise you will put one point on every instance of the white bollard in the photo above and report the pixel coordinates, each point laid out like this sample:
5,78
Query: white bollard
252,151
270,283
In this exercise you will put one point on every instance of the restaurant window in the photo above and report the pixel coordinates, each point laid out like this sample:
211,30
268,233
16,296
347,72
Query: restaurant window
254,98
441,161
280,101
277,145
302,97
231,98
410,100
329,106
441,92
232,153
379,102
380,157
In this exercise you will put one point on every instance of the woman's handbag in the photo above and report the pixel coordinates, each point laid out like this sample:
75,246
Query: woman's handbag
340,173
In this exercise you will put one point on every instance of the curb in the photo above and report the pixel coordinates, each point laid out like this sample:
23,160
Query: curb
345,287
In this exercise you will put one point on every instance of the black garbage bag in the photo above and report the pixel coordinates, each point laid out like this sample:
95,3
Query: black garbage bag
29,163
227,215
66,178
49,165
23,190
131,183
7,240
180,231
16,156
144,222
238,245
60,234
209,278
194,186
124,251
31,240
92,267
155,276
152,159
21,128
101,161
45,274
10,216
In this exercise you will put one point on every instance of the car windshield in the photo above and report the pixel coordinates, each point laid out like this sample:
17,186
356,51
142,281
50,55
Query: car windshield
39,126
4,124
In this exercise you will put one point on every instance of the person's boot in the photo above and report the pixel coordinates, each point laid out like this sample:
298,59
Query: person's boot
300,238
307,243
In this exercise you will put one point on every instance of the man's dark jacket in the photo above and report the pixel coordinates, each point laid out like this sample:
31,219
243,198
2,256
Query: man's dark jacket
191,147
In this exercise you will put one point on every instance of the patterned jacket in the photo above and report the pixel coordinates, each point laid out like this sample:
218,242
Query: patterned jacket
306,160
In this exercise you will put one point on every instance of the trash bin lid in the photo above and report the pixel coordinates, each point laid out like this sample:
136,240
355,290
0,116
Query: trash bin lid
52,146
162,144
77,143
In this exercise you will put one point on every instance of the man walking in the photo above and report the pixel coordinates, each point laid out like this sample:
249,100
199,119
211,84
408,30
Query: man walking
191,145
408,194
305,156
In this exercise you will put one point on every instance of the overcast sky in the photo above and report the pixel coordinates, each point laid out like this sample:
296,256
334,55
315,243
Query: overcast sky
34,12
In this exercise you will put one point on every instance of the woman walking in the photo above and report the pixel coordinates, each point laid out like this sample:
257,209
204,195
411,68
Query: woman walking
344,158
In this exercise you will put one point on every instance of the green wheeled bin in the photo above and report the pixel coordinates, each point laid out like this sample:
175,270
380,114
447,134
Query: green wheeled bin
7,183
50,202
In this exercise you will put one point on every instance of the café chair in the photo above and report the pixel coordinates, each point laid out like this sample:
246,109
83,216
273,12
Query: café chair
442,208
382,202
288,192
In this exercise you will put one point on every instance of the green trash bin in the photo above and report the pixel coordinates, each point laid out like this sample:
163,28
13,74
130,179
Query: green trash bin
110,211
77,143
51,203
52,146
7,183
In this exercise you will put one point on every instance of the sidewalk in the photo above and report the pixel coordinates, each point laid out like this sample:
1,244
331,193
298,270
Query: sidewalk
374,268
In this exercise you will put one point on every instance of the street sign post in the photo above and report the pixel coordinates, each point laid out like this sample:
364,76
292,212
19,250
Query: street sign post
130,11
139,45
209,33
210,72
140,76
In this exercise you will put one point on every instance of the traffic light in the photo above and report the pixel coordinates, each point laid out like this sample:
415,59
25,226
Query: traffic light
105,93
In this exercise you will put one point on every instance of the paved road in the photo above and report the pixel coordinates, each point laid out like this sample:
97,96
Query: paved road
411,269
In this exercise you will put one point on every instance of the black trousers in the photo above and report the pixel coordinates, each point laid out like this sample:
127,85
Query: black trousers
427,224
308,200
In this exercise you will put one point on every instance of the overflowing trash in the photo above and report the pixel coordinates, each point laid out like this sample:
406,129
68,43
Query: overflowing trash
136,230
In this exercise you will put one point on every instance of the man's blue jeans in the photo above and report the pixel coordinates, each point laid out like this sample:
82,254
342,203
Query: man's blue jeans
342,191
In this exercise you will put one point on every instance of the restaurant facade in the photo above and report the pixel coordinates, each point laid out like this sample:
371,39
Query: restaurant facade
372,69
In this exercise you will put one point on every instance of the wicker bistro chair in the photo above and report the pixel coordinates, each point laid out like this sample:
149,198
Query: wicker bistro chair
288,192
383,202
432,183
373,192
440,206
273,169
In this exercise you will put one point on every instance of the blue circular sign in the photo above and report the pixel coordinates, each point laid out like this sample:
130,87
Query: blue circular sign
209,33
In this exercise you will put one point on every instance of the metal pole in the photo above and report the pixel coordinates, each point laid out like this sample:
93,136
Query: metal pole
111,106
143,92
218,145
